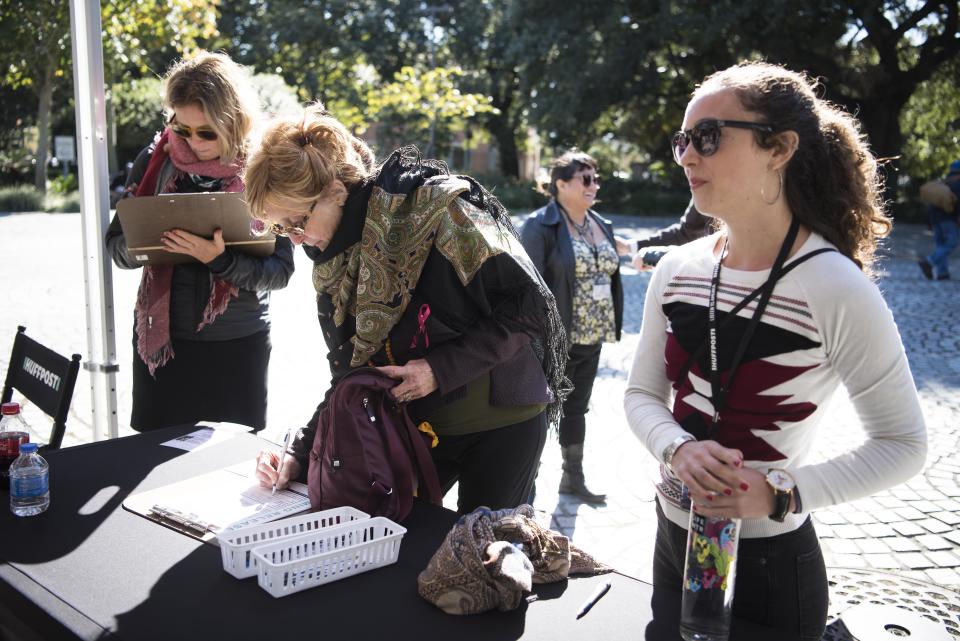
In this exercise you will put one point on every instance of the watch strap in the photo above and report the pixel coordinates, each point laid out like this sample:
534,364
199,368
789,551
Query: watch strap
781,506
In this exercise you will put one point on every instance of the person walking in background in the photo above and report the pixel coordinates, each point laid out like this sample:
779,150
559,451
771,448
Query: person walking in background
691,226
747,333
943,221
578,255
202,329
421,274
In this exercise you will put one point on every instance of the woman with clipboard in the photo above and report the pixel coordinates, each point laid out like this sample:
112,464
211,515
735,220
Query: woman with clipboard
202,329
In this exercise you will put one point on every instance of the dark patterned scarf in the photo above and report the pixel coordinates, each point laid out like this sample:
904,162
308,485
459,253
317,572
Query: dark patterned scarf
152,310
490,558
416,206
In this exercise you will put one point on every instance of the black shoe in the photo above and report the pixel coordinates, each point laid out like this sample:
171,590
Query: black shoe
926,268
943,277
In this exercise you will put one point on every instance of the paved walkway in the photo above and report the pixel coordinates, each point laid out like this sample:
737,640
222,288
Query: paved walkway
910,529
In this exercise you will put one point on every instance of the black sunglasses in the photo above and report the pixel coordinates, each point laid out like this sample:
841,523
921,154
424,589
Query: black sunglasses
589,179
185,132
705,136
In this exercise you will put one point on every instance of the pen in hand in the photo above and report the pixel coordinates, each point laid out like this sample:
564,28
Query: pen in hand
283,453
592,601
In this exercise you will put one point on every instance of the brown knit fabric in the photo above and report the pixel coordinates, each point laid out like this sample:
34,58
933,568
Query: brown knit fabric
490,558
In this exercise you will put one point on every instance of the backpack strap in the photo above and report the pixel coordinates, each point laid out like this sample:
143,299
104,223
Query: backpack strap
429,487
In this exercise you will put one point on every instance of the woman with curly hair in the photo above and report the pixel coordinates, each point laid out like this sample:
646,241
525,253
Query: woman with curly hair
748,332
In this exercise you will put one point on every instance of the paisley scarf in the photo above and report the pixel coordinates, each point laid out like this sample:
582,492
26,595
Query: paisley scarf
416,206
490,558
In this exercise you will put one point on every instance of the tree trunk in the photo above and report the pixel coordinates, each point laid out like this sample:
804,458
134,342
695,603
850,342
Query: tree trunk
881,122
502,131
45,95
502,125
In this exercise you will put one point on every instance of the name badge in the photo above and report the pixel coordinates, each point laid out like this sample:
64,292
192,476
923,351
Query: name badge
601,292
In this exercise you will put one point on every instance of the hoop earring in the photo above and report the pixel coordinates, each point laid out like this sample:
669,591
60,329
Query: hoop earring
763,196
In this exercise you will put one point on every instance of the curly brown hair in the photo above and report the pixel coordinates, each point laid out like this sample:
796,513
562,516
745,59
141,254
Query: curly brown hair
832,183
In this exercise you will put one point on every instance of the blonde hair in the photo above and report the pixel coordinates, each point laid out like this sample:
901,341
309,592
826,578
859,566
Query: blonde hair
298,157
832,183
223,90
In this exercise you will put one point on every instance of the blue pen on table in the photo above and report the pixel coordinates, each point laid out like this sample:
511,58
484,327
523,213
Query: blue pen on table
283,453
592,601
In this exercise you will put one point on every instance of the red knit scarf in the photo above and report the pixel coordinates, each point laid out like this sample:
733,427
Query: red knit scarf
153,300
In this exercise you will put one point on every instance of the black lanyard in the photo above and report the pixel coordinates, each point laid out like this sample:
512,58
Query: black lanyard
594,249
718,393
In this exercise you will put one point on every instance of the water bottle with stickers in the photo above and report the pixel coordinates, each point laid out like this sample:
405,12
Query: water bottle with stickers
29,482
711,569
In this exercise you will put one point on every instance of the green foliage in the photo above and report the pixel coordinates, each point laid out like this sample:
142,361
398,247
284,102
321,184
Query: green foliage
24,198
62,203
423,107
138,109
617,196
628,68
141,37
20,198
641,197
316,48
63,184
931,125
516,195
15,162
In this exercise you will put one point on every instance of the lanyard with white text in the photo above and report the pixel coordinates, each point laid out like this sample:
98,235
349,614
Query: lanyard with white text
718,392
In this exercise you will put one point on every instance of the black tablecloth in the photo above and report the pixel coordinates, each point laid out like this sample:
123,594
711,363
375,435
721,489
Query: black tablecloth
87,568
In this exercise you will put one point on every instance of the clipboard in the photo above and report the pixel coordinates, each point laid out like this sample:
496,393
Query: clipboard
226,499
145,218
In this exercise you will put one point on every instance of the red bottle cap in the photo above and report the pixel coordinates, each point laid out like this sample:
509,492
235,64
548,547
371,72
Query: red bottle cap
8,409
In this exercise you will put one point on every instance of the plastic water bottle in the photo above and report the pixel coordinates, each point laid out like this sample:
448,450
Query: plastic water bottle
29,482
711,569
13,432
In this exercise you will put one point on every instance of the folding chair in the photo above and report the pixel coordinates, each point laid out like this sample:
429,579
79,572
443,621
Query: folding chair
45,378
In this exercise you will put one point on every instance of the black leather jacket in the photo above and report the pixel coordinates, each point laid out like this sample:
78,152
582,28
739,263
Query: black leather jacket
547,241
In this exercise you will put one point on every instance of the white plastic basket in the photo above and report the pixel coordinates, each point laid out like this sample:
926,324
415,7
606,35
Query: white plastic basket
236,545
292,565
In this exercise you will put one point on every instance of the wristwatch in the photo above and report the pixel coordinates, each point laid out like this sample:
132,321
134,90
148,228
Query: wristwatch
671,449
783,486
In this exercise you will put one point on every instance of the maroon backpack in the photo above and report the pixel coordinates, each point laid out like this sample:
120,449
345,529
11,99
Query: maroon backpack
367,453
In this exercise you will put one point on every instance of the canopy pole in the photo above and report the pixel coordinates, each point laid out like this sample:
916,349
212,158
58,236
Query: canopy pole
89,96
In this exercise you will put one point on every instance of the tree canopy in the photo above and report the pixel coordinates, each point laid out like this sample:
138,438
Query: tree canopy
609,75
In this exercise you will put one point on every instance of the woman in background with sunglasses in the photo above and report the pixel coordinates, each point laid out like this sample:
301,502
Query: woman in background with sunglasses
578,256
748,332
202,328
421,274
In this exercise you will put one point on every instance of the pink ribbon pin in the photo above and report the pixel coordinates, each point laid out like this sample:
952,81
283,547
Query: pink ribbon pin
422,317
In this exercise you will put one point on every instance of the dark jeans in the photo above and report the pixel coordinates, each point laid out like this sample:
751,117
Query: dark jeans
496,468
581,370
781,581
946,237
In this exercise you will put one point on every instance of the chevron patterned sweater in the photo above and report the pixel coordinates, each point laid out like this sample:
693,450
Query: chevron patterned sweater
825,325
